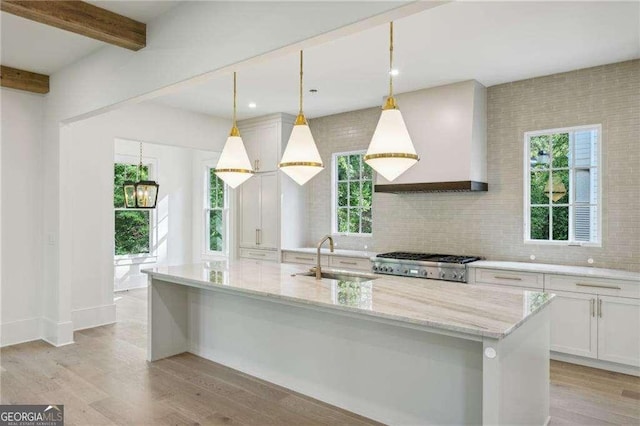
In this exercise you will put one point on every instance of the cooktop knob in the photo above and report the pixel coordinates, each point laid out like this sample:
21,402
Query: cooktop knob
442,274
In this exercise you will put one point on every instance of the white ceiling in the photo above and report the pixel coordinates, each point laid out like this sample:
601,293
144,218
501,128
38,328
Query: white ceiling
40,48
492,42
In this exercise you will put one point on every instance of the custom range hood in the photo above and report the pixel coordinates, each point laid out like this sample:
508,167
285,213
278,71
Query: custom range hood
448,127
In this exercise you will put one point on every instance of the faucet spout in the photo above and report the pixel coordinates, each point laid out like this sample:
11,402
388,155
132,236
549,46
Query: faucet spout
320,243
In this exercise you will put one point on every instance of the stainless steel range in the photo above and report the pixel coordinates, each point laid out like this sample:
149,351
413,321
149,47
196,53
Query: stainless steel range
422,265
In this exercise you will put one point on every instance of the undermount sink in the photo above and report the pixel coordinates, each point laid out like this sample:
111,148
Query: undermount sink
341,276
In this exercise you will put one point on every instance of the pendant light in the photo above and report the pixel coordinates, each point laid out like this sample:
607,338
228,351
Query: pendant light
301,159
234,166
391,151
141,194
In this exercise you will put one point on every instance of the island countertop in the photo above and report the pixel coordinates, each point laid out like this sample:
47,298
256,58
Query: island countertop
477,311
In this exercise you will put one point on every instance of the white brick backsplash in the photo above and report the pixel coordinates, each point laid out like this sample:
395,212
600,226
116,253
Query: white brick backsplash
491,224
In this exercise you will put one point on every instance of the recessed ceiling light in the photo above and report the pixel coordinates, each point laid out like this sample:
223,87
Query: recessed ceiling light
252,105
394,72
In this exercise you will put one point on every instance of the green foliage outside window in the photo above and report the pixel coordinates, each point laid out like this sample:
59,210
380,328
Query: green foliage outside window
354,194
545,176
132,227
216,212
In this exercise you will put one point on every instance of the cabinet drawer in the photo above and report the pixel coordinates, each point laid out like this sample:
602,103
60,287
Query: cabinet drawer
271,255
349,263
510,278
303,258
592,286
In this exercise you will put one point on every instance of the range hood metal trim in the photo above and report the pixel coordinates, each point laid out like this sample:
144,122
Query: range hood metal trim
456,186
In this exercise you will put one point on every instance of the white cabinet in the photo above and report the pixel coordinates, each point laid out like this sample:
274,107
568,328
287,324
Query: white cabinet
265,201
262,140
619,330
596,318
574,325
259,212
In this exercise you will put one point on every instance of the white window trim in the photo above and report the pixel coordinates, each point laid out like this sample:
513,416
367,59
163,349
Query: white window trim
527,188
334,188
152,256
208,254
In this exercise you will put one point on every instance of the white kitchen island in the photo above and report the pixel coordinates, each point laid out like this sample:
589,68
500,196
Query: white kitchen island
398,350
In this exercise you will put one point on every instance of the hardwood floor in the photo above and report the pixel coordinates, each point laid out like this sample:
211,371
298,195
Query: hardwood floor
104,379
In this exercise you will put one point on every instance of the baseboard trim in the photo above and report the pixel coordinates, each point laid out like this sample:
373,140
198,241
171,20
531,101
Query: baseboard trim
596,363
57,333
21,331
93,317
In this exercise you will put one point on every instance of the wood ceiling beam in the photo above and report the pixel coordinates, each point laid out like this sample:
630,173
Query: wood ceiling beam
23,80
84,19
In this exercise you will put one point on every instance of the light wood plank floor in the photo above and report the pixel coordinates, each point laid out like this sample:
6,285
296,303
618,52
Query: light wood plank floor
104,379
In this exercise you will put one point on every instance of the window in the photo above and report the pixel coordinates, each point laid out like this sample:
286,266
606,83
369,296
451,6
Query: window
353,193
216,212
132,226
562,187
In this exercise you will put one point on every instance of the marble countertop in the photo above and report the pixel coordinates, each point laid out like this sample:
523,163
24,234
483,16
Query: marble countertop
337,252
583,271
492,312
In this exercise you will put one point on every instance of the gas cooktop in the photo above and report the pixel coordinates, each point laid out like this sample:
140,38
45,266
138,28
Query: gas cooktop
423,265
425,257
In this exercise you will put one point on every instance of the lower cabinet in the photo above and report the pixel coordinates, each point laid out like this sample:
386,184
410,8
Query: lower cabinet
619,330
574,324
590,318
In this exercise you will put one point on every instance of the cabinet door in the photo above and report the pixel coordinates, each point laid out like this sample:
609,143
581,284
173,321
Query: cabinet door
269,147
619,330
269,212
574,324
252,145
250,212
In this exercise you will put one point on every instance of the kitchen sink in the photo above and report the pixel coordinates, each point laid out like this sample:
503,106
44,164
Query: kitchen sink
341,276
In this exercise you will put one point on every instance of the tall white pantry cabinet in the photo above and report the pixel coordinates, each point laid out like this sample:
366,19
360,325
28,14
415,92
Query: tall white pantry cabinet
270,209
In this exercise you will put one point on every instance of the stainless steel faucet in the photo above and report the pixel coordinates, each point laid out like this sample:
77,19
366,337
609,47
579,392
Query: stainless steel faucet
325,238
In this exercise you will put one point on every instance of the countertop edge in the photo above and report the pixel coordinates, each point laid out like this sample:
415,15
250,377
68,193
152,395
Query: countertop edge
470,334
359,254
547,268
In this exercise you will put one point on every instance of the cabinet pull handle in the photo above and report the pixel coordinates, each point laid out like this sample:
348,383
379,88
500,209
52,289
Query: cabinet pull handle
259,254
257,241
302,258
498,277
593,307
613,287
344,262
258,164
600,308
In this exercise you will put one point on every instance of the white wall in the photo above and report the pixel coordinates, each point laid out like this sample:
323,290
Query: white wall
21,220
87,257
171,220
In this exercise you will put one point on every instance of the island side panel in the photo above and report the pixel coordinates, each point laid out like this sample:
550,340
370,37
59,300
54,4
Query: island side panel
168,326
393,374
516,375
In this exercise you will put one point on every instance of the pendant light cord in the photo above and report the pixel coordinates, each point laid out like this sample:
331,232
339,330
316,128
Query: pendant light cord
235,94
301,68
391,59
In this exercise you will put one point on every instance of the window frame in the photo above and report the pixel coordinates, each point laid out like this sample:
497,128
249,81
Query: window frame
151,257
334,194
207,253
527,186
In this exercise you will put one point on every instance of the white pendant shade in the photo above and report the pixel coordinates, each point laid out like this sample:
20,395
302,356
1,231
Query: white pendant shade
301,159
234,166
391,151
